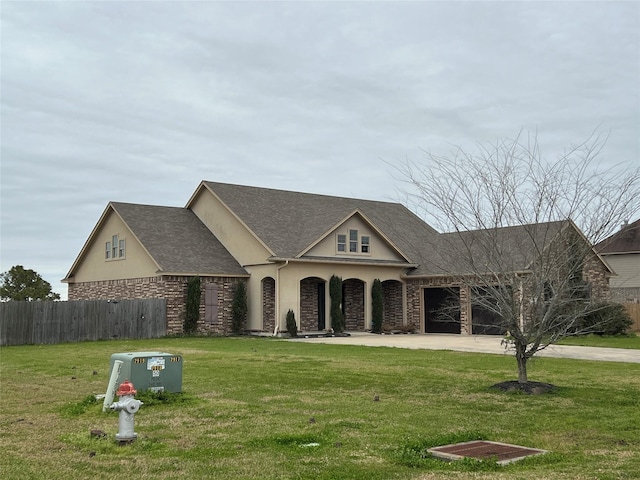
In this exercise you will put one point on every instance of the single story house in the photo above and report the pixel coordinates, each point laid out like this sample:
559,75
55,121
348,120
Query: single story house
622,252
285,246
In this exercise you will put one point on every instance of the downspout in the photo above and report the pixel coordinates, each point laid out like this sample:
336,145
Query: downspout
277,312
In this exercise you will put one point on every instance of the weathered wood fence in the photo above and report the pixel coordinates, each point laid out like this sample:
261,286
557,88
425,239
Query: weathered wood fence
57,322
634,312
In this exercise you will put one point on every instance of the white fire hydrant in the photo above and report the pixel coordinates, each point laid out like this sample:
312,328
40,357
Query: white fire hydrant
127,406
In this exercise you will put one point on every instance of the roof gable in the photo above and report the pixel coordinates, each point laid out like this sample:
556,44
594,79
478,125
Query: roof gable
177,240
379,247
173,238
89,257
290,222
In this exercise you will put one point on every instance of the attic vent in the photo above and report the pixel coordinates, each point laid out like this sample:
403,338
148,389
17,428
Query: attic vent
482,450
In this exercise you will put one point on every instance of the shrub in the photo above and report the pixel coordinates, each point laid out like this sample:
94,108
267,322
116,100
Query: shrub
335,291
239,309
607,319
377,306
292,326
192,307
408,328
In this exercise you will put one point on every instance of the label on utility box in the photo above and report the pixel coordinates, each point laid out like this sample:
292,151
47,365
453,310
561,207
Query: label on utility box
155,363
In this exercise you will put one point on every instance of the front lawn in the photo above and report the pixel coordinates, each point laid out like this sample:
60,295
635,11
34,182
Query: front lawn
270,409
627,341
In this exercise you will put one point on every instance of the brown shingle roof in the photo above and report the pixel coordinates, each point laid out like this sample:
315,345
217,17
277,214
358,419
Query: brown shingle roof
289,222
177,240
505,249
626,240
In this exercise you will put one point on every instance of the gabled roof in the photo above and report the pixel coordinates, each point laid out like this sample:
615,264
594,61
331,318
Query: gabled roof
177,240
174,238
626,240
368,222
288,223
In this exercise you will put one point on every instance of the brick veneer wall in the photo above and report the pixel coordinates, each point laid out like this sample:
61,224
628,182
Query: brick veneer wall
268,304
309,304
392,303
625,294
222,324
171,288
353,305
415,301
595,274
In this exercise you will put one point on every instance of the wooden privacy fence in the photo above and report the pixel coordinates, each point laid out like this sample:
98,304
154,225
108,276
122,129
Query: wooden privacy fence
634,312
57,322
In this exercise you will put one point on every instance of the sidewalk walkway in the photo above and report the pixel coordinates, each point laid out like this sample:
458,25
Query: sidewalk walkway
475,343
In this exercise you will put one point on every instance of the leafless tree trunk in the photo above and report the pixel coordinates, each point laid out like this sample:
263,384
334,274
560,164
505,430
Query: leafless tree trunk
522,231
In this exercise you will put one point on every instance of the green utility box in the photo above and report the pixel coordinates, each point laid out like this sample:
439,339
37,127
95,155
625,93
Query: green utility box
155,371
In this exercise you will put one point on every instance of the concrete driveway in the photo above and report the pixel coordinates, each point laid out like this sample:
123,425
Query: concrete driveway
475,343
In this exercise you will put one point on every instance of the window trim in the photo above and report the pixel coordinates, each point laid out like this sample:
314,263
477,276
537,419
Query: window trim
366,245
115,248
351,243
353,240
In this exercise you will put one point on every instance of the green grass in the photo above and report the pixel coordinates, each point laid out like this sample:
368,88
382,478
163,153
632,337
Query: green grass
255,408
627,341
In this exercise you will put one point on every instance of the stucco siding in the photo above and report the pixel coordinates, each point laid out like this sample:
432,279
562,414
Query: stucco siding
235,237
288,286
94,266
379,248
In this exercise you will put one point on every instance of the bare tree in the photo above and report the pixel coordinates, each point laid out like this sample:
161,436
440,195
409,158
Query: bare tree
522,232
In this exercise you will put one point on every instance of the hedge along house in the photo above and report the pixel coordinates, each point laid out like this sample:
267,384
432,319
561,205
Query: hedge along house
286,246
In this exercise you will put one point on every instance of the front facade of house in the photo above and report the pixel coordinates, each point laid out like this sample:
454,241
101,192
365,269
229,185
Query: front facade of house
285,246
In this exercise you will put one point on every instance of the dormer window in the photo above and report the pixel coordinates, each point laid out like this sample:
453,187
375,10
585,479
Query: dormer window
364,244
353,243
115,248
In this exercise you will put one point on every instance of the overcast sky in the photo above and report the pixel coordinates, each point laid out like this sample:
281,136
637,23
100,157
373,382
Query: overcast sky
140,101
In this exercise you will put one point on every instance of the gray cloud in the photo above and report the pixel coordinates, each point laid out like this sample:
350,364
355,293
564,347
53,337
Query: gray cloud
139,101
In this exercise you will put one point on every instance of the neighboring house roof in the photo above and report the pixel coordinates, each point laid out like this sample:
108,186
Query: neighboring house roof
177,241
626,240
289,222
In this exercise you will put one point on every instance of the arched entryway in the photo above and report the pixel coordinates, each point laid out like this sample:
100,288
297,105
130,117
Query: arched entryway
313,304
